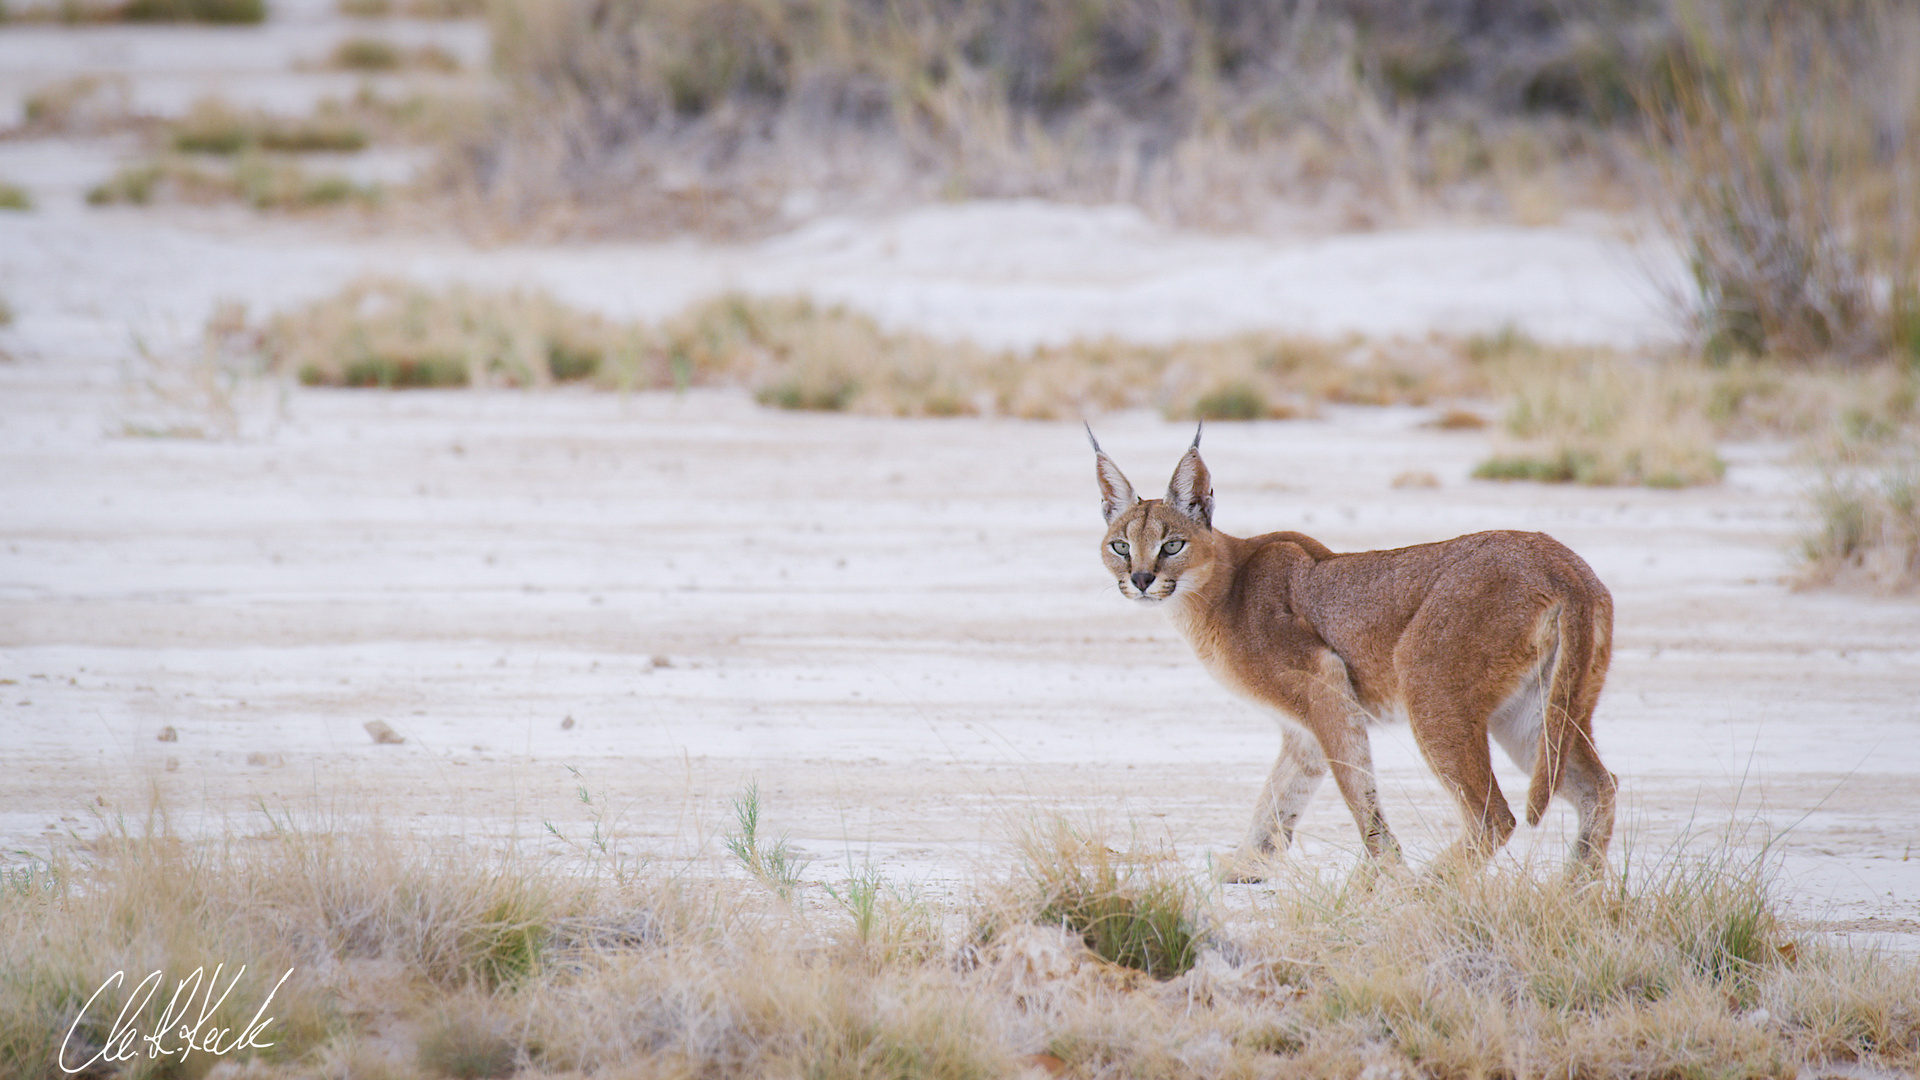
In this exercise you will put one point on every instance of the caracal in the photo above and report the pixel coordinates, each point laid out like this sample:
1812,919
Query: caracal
1501,634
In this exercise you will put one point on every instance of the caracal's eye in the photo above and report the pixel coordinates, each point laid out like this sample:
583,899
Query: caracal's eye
1172,547
1120,548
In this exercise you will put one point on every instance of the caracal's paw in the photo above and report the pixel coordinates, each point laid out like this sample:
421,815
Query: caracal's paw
1244,867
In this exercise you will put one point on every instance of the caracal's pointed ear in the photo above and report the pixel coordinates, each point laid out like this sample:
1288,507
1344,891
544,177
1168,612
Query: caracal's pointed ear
1191,489
1116,495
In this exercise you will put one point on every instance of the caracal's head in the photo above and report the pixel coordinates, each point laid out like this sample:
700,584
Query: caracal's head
1158,548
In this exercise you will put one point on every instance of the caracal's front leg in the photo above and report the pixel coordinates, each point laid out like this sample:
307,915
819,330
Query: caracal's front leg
1340,724
1295,777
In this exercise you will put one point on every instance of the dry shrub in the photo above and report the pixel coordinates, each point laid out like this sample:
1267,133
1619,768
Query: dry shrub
1597,416
657,116
1867,523
1600,416
1611,421
1789,142
391,334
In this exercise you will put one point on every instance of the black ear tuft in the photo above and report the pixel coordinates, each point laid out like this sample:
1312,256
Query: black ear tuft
1191,489
1116,495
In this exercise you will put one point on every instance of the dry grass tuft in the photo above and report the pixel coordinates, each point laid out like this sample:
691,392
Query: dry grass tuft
211,388
1607,420
213,127
388,334
100,11
774,862
798,355
80,105
265,182
1574,414
414,958
379,55
1867,522
795,354
1135,908
1596,416
413,9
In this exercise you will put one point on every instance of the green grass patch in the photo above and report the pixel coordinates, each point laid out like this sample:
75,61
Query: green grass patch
232,12
414,9
264,182
366,54
369,54
1135,909
1235,401
773,861
207,11
212,127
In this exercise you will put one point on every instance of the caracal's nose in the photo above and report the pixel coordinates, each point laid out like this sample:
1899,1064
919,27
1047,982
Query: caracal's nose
1142,579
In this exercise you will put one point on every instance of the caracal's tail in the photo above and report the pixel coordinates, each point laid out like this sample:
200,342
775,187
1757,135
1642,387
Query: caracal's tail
1583,635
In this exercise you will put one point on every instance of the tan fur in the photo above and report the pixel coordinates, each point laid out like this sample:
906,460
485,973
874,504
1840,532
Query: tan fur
1501,635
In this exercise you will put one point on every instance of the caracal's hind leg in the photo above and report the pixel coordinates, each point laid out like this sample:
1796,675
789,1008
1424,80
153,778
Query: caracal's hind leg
1295,777
1452,735
1590,787
1517,726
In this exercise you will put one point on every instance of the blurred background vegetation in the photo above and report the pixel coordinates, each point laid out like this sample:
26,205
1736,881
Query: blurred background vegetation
1778,136
1777,142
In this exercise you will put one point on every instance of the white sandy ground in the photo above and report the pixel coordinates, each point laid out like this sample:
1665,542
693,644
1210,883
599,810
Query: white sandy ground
899,629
